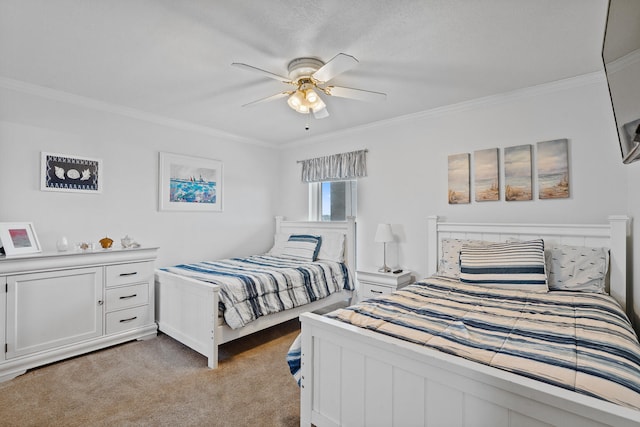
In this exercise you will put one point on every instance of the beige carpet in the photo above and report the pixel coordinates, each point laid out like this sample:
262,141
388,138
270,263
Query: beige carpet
160,382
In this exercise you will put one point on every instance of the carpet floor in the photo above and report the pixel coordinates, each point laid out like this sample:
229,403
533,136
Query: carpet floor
160,382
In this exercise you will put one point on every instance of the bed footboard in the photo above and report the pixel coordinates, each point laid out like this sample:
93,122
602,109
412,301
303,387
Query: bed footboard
352,376
187,311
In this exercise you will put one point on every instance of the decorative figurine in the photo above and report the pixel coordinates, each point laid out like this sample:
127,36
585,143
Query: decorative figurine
106,242
128,242
62,244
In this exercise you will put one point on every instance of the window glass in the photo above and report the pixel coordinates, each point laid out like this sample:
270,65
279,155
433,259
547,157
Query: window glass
332,200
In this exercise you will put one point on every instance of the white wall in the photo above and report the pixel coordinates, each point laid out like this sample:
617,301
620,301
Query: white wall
407,166
129,148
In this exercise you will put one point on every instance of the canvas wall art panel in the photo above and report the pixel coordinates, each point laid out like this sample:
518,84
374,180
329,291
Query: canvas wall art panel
518,180
459,179
553,169
189,183
63,172
486,175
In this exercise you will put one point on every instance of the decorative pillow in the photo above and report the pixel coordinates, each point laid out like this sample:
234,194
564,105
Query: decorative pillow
577,268
449,265
332,247
518,265
302,246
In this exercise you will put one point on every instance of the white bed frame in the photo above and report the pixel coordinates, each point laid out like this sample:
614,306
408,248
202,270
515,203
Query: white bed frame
352,376
187,309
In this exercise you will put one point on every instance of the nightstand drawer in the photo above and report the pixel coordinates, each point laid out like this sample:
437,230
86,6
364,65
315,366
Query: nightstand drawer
370,290
130,318
127,296
125,274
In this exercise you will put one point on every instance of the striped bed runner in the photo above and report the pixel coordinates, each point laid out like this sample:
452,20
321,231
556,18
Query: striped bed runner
259,285
575,340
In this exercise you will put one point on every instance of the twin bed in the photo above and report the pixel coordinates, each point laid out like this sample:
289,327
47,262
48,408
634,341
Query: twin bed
454,351
276,287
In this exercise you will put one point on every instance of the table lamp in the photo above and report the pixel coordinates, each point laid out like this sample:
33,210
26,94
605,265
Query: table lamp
384,236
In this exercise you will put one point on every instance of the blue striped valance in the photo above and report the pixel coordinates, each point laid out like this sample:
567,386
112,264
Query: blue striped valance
336,167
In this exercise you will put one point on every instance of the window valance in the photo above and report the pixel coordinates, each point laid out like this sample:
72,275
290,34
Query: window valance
341,166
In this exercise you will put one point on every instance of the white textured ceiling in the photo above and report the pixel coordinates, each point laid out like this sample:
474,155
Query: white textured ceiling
171,59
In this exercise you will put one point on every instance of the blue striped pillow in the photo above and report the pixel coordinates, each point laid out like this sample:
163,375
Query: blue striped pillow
302,246
518,265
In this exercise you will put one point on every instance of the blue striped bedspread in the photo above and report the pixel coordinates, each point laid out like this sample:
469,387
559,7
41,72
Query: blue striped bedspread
259,285
575,340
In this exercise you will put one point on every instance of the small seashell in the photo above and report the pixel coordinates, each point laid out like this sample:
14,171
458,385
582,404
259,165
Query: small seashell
73,174
86,174
59,172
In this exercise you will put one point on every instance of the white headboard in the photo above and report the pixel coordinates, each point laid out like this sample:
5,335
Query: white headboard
612,235
348,228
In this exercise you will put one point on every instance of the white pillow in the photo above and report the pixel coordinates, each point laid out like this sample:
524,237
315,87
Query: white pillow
577,268
449,265
278,243
332,247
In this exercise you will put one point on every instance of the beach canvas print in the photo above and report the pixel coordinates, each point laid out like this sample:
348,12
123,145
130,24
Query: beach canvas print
553,169
486,175
459,177
190,183
517,173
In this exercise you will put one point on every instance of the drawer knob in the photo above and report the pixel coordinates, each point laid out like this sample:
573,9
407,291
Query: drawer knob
375,292
129,319
129,296
128,274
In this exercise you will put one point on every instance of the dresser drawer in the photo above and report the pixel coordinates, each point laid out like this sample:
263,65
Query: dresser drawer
124,274
371,290
130,318
127,296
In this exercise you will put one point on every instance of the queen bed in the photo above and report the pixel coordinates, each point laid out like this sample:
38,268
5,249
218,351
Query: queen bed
205,304
541,362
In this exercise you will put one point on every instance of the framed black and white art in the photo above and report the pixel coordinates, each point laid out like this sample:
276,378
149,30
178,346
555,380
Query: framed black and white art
63,172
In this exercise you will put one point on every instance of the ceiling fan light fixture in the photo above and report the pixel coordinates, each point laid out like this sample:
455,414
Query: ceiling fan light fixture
296,100
311,96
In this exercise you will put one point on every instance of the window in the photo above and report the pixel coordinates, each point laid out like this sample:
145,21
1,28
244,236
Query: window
332,200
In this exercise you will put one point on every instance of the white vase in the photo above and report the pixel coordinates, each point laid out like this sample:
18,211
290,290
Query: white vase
62,244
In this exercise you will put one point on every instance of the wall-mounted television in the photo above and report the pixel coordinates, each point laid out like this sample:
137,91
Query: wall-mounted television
621,57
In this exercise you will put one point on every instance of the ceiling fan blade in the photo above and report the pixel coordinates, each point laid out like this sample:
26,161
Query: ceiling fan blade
261,71
321,114
336,65
268,98
359,94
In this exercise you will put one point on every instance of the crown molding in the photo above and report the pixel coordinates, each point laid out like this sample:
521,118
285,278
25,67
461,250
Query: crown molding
93,104
624,61
506,97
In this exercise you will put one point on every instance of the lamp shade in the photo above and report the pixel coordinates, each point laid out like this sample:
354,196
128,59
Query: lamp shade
384,234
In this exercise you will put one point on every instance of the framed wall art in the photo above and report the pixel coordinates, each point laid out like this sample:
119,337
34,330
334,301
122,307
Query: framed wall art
459,179
518,183
486,175
18,238
553,169
62,172
189,183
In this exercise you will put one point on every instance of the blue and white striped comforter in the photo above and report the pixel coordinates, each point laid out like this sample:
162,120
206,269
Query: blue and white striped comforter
259,285
575,340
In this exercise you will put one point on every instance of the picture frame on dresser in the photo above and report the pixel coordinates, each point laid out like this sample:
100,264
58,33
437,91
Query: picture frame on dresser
18,238
187,183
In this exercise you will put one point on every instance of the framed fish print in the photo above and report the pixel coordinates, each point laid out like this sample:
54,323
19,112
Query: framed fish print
62,172
18,238
189,183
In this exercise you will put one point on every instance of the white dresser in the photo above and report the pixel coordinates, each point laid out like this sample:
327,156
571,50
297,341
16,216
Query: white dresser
58,305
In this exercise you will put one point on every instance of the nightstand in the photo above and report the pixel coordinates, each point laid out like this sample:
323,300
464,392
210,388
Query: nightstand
374,283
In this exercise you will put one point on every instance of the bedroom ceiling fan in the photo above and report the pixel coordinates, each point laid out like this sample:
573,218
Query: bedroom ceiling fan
310,76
